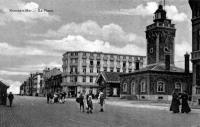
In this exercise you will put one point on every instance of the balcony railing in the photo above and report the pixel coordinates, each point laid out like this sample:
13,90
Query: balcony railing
160,25
105,58
118,66
84,57
112,65
111,58
91,57
98,57
84,64
105,65
129,60
73,64
196,55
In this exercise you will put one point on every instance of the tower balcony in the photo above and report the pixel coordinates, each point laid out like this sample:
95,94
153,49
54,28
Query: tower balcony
196,55
165,25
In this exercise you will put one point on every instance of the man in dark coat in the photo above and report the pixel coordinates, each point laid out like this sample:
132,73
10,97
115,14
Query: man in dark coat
175,102
10,98
48,97
184,105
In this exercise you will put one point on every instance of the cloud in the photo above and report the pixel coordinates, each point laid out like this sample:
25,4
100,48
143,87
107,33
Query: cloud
4,72
90,30
7,49
15,10
72,42
149,9
14,86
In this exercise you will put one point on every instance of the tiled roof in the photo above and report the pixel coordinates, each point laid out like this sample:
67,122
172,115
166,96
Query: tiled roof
112,77
1,83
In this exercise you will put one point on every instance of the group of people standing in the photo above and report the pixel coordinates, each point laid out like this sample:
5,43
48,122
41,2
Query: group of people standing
87,100
180,99
56,97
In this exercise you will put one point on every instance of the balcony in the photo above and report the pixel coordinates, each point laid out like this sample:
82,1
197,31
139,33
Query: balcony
196,55
73,64
124,59
112,58
105,65
118,59
74,56
118,66
84,57
105,58
91,57
112,65
98,65
84,64
130,60
98,57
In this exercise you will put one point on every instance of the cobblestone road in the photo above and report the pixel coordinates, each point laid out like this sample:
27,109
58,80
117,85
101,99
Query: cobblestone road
34,112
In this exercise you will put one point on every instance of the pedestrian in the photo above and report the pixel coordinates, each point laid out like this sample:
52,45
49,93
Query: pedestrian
101,101
10,98
81,102
48,97
185,108
89,98
175,102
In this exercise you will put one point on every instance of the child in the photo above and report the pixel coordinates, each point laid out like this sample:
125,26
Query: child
90,104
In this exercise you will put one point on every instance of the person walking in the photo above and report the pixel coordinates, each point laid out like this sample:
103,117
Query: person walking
175,102
10,98
89,98
81,102
184,105
101,101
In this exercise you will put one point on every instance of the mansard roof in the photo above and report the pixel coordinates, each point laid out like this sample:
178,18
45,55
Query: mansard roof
110,77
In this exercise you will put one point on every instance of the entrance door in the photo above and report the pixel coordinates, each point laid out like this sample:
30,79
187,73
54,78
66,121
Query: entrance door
114,91
133,88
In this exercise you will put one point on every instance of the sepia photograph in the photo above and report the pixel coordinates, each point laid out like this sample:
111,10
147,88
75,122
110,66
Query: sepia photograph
99,63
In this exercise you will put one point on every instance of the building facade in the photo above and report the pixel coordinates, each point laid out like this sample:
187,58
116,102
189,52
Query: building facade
80,69
3,93
52,80
109,83
37,87
195,7
160,77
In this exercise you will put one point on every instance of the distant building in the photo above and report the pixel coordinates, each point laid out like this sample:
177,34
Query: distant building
3,93
80,69
109,83
195,7
52,80
160,77
37,80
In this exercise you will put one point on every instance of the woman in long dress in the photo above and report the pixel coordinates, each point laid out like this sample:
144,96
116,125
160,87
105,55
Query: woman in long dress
175,102
184,105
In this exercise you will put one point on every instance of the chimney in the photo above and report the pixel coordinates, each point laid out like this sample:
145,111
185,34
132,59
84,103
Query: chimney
167,62
137,65
187,62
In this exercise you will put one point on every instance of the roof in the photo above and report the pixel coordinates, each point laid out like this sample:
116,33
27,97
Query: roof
110,77
1,83
160,67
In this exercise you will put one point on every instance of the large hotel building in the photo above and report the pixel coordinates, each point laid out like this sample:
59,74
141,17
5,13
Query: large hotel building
80,68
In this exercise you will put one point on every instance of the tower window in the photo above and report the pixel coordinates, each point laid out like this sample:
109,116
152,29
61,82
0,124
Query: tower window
151,50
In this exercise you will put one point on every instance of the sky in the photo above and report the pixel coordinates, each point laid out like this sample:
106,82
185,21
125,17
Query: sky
34,34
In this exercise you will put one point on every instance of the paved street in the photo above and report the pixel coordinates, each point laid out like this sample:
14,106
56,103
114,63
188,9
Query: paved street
34,112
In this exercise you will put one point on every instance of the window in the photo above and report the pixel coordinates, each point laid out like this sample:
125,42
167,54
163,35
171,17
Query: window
84,78
125,87
124,64
98,63
118,63
124,57
91,62
151,50
76,69
124,70
84,60
178,86
76,60
91,79
130,64
133,87
142,86
84,69
129,70
76,53
105,69
84,54
105,61
71,78
75,78
91,70
111,69
118,69
160,86
71,69
98,69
